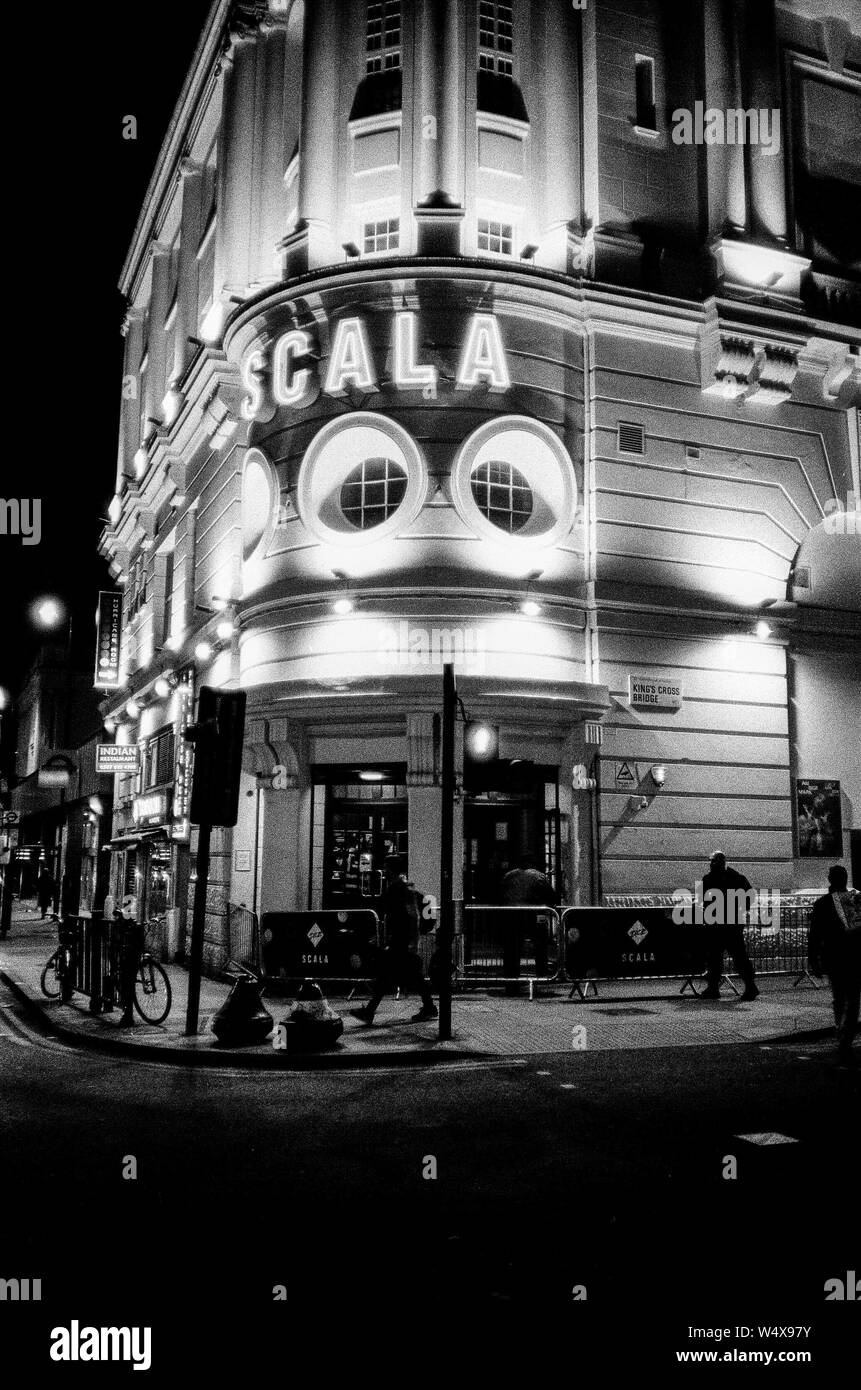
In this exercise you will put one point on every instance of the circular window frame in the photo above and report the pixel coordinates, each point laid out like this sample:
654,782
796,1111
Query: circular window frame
554,497
257,456
329,460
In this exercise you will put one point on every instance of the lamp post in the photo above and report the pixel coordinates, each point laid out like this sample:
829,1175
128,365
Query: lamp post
446,859
6,894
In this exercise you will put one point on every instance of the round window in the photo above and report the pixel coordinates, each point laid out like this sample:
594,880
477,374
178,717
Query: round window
502,494
513,483
363,479
372,492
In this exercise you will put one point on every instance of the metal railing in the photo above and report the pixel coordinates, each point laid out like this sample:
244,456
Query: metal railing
507,944
243,937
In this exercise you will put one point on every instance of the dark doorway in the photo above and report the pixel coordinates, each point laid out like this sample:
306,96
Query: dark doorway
855,857
511,810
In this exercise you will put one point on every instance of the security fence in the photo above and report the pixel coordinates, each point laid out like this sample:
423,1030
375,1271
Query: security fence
243,937
504,944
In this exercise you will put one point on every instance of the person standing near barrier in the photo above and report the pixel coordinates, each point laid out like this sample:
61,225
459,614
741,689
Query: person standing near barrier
835,950
731,896
45,890
400,965
525,886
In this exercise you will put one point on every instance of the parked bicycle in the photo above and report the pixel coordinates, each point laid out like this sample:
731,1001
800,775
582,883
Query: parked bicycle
152,994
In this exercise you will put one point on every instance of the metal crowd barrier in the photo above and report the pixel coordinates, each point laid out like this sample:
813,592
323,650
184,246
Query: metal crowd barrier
327,946
641,941
243,937
500,945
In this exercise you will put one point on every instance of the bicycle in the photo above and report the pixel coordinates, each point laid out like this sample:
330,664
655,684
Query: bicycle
55,975
153,994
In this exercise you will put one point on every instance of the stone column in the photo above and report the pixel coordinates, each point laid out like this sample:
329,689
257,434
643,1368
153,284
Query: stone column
427,123
561,197
440,216
186,299
761,87
235,161
318,149
130,413
450,85
158,307
271,159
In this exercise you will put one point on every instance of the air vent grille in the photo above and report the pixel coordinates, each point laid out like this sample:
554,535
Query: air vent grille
632,438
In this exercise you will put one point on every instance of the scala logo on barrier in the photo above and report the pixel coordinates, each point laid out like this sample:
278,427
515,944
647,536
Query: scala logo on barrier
288,376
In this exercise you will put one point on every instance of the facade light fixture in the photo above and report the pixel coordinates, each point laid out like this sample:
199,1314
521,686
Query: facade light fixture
163,687
372,777
219,604
659,774
762,631
530,608
481,741
203,651
133,709
110,727
225,630
343,606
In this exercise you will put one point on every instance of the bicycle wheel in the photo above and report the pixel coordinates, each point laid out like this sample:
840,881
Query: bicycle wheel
152,991
50,981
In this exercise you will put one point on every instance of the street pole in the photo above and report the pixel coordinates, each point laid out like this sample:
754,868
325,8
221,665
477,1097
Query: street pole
446,857
198,923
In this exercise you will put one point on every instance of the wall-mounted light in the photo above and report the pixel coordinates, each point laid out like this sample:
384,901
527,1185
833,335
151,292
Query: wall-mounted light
219,604
372,777
659,774
133,709
529,605
481,741
344,603
96,805
762,631
203,651
351,249
529,252
110,727
163,687
225,630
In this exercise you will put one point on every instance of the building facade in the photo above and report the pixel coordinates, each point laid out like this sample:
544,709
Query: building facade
524,335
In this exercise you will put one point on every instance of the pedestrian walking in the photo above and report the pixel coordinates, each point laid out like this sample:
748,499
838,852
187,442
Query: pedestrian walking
729,895
400,964
834,950
525,886
45,890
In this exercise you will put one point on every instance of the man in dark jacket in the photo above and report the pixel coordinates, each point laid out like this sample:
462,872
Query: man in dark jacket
727,896
400,966
45,890
835,951
525,886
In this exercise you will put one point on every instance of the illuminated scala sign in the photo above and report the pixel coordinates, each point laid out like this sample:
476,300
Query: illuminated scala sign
287,376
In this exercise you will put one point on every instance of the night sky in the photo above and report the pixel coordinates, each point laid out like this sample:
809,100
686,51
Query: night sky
79,189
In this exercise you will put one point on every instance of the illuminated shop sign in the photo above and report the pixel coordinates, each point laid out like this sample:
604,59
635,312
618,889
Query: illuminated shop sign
151,809
109,627
288,377
184,696
115,757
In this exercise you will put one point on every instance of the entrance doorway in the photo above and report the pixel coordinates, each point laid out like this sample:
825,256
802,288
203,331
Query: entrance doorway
511,811
364,822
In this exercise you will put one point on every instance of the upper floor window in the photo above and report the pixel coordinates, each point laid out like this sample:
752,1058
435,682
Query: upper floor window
495,237
384,35
158,761
384,235
496,38
644,71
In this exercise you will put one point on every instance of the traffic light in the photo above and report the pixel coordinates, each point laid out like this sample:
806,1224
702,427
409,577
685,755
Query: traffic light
217,736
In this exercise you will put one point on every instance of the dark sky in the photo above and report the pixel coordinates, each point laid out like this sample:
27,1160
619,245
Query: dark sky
80,187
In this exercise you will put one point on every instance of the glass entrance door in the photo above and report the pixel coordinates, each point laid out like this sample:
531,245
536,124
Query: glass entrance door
360,838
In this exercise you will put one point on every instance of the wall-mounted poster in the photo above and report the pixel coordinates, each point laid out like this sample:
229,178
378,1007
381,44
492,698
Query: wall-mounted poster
820,828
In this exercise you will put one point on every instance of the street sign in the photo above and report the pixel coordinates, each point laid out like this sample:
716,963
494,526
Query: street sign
109,627
9,818
116,757
626,775
654,692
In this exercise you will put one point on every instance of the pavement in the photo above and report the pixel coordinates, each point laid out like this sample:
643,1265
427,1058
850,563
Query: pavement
485,1024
